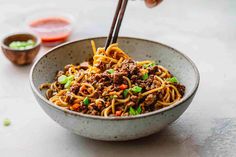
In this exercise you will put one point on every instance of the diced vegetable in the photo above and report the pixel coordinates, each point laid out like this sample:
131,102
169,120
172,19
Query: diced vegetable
136,89
62,79
71,77
139,110
75,106
126,91
111,71
68,83
6,122
86,101
172,80
22,45
118,113
149,65
145,76
132,111
123,86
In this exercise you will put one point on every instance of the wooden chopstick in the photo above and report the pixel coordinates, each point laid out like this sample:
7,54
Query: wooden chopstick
119,14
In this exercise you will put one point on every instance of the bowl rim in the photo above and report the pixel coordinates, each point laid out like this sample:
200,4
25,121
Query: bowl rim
38,41
184,99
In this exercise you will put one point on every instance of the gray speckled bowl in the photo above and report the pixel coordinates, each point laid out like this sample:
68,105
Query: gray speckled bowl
111,128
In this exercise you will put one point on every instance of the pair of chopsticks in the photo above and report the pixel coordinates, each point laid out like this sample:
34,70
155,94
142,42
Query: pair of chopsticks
119,14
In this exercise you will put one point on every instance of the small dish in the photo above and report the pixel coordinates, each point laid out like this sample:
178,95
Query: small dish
20,57
52,27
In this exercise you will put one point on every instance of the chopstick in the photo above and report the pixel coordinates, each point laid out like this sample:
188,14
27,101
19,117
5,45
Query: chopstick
119,14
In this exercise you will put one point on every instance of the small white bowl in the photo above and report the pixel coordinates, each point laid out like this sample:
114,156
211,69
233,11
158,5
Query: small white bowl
45,33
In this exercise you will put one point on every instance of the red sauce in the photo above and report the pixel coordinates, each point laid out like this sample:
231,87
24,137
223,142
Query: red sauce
52,30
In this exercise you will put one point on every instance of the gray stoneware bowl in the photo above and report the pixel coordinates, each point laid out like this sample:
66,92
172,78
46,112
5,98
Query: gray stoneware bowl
112,128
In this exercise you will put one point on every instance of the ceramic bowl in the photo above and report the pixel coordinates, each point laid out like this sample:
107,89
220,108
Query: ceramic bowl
113,128
20,57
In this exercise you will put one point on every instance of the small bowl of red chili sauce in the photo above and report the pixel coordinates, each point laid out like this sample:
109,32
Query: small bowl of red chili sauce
53,29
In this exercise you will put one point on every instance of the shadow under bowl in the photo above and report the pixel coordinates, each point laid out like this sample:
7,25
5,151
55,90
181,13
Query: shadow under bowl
20,57
115,128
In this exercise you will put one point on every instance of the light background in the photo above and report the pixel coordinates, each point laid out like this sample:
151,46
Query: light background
205,30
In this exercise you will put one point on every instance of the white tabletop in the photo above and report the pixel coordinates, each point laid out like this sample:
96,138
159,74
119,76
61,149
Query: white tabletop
202,29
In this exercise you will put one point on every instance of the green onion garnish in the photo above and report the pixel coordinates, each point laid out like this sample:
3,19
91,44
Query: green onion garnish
71,77
68,83
139,110
6,122
149,65
145,76
22,45
111,71
134,112
136,89
126,91
86,101
62,79
172,80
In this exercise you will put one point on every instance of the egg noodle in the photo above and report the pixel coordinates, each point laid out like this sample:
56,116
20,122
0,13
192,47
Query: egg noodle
114,85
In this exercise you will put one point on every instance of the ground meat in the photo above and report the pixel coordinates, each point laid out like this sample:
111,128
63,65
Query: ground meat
91,106
134,78
75,88
129,67
101,66
150,99
180,88
118,77
134,98
142,85
153,69
133,69
96,95
131,103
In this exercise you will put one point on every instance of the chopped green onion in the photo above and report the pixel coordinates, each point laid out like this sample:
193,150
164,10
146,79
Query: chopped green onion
139,110
145,76
126,91
68,83
71,77
22,45
172,80
149,65
136,89
86,101
132,111
6,122
62,79
111,71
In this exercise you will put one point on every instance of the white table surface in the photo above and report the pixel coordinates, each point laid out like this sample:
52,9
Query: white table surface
205,30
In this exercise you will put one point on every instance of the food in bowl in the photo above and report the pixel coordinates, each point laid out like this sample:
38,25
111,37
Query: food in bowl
113,84
115,128
21,48
52,29
22,45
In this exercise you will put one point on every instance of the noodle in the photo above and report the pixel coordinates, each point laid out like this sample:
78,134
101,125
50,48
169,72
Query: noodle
114,85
